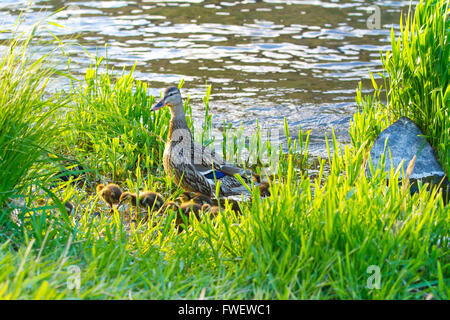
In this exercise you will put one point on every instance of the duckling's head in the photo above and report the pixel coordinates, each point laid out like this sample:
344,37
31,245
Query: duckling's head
256,178
127,196
172,99
186,196
100,187
206,207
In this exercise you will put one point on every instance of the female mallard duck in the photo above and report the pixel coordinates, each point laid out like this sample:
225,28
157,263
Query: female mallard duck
110,194
146,200
194,167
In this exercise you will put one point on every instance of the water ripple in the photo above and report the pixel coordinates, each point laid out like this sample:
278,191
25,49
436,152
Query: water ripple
265,59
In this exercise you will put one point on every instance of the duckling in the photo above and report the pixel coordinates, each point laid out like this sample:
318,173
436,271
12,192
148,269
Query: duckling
264,189
184,209
69,206
212,210
171,204
233,202
188,207
256,178
110,194
196,197
72,172
147,199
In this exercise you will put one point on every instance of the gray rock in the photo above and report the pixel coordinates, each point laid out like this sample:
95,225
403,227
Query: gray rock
405,140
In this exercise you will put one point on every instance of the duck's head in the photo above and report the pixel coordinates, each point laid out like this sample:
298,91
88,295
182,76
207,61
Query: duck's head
172,99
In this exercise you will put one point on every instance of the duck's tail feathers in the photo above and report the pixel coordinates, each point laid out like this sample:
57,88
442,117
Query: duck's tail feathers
230,170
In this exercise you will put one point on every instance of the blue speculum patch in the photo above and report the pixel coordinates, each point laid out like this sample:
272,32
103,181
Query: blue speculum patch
218,174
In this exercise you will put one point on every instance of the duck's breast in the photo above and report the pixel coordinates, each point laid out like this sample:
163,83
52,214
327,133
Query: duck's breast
171,162
166,158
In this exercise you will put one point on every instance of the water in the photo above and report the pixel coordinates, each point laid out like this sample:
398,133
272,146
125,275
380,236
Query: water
264,59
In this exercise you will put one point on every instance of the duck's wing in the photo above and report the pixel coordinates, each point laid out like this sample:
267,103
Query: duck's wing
205,160
231,170
193,179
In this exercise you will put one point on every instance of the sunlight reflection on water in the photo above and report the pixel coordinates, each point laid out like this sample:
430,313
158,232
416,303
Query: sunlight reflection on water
265,59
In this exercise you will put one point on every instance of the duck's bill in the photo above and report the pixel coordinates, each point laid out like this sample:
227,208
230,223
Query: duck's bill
159,105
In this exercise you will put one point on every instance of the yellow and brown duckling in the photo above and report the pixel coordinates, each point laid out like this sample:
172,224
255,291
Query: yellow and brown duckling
207,204
110,194
187,207
213,211
147,199
184,209
264,186
196,197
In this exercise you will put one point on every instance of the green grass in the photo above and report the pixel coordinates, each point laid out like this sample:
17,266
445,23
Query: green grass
292,245
110,119
315,237
416,81
28,120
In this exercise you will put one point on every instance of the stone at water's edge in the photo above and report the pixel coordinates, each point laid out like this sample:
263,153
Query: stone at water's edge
405,140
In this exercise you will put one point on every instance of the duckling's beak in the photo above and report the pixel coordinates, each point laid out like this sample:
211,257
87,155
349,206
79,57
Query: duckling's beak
159,105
